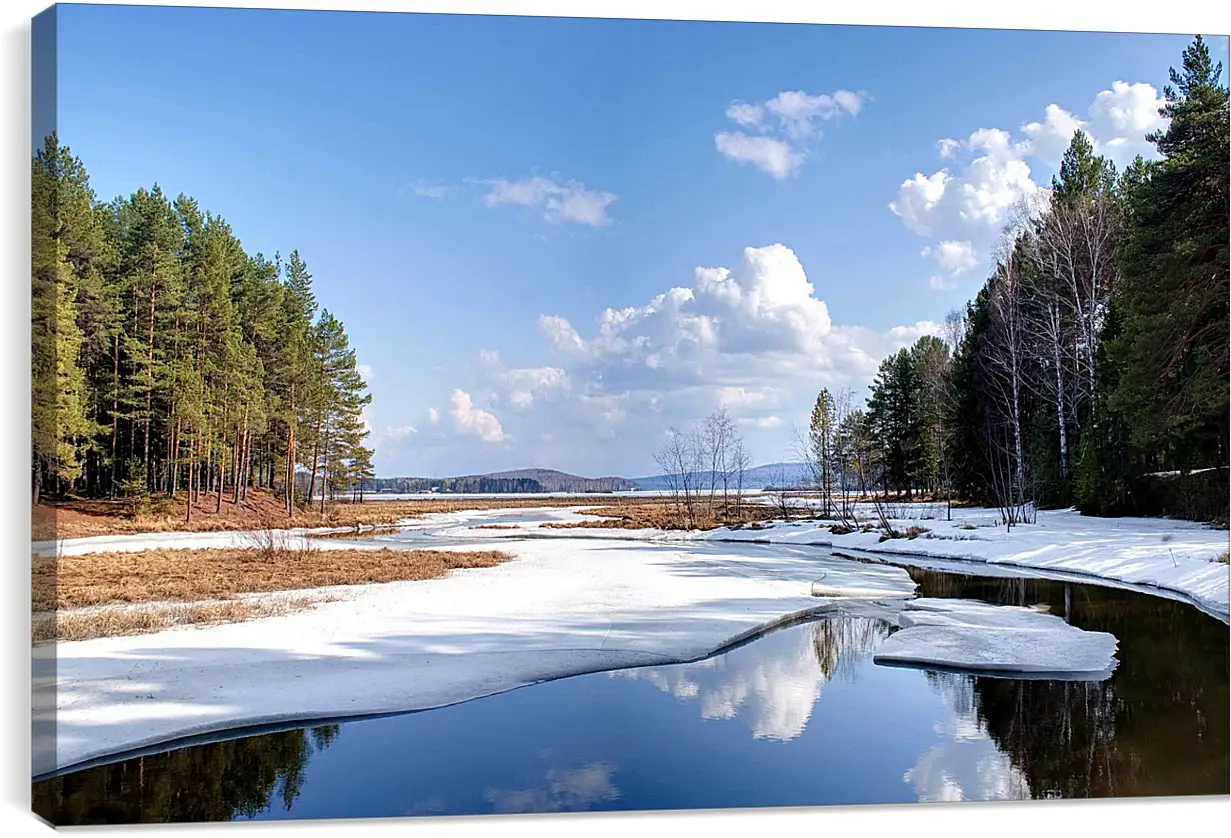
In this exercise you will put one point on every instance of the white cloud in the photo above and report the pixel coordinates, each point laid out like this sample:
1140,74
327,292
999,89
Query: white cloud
764,422
729,340
731,397
469,419
774,157
365,371
749,116
428,190
1050,138
954,258
400,432
561,201
785,125
1122,116
433,416
526,384
489,357
976,195
947,147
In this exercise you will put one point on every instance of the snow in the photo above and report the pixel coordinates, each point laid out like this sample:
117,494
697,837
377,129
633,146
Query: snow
1176,556
573,601
167,540
968,635
564,606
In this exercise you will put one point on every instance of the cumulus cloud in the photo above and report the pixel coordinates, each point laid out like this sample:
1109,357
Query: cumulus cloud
992,172
433,416
1117,123
471,420
774,157
737,338
561,201
953,258
524,385
755,337
782,128
947,147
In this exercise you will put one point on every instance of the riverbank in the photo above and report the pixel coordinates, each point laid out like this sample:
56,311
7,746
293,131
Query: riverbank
562,607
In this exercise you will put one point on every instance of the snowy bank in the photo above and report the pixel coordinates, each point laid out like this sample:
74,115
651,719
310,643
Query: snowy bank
975,636
1176,556
1168,555
562,607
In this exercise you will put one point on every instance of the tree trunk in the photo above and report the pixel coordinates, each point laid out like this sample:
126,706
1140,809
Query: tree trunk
191,478
1064,439
235,458
316,451
115,412
149,393
324,477
292,421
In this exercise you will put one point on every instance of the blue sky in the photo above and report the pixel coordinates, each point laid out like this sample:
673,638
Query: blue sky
472,194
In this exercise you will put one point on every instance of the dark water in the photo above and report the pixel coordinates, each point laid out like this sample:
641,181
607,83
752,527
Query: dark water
799,717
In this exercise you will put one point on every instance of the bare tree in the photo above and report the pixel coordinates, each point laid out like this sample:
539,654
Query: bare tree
1005,358
1076,249
717,434
782,493
677,462
739,463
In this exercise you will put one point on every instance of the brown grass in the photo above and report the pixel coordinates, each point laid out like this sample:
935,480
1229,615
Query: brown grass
120,621
665,515
496,527
214,574
76,518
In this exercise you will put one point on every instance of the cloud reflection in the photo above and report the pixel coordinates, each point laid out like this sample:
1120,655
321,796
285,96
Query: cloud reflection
775,685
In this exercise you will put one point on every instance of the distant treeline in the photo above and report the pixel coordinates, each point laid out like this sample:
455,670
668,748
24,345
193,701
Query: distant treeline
477,485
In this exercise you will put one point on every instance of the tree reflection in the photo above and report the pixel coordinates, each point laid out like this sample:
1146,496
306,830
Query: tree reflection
1158,726
216,782
841,642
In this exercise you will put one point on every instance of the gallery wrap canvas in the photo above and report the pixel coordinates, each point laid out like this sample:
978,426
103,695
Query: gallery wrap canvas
458,414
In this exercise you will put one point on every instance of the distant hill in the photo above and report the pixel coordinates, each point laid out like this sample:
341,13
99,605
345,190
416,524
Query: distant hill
516,480
559,481
549,480
772,474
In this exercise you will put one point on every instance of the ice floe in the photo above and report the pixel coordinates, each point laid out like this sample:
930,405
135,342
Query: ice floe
969,635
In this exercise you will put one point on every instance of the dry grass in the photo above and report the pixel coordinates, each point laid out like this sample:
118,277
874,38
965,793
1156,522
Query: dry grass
496,527
79,518
666,515
1225,558
214,574
123,620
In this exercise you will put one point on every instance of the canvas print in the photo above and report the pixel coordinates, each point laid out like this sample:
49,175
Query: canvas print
458,414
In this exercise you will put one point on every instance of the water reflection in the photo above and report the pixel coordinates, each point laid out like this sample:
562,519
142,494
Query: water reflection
1159,726
561,791
219,782
967,764
800,717
775,682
